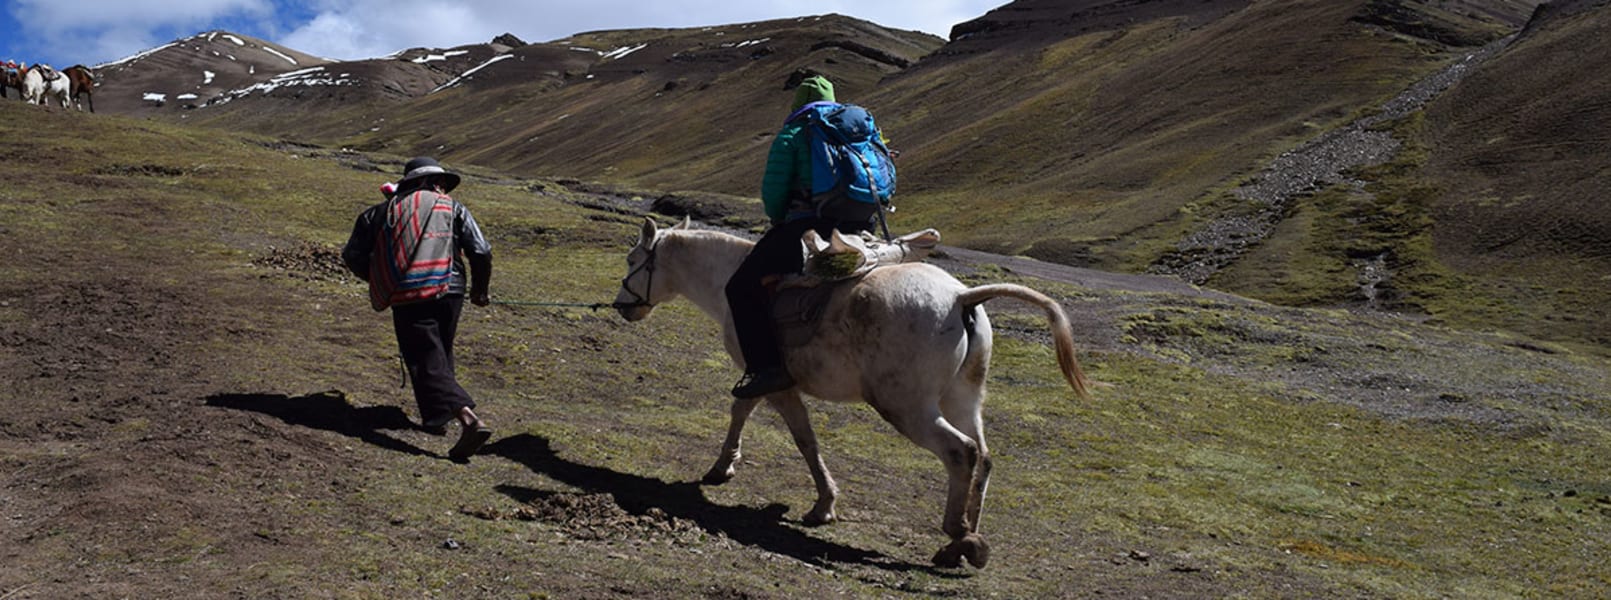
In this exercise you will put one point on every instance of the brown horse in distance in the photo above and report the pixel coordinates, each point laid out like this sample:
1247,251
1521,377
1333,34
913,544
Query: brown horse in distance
10,77
83,82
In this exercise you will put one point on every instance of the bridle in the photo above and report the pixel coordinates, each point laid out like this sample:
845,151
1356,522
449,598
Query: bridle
647,266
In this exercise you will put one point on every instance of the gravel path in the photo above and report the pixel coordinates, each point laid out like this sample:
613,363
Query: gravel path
1301,172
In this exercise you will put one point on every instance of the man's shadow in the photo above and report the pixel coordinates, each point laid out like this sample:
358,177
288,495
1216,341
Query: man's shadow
758,527
329,411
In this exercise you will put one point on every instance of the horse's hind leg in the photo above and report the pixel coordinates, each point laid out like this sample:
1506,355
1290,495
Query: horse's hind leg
962,405
723,470
961,409
926,427
794,414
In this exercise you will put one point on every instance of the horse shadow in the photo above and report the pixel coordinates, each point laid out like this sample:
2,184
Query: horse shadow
329,411
762,527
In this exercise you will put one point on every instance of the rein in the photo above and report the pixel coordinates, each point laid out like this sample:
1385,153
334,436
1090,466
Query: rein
638,300
594,306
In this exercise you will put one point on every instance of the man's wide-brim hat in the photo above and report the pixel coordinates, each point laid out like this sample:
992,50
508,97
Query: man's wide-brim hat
425,166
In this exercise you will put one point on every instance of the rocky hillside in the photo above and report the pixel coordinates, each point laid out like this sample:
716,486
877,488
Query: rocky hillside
190,72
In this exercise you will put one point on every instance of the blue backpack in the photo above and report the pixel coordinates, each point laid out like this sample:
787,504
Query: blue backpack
852,176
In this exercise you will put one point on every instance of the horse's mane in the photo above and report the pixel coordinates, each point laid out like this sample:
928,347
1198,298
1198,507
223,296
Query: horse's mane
722,238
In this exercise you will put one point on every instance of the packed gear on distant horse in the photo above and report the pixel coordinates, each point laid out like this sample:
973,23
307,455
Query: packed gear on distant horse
411,248
816,180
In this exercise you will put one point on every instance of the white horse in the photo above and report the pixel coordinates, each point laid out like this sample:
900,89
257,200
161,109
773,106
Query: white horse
42,83
33,85
908,339
57,86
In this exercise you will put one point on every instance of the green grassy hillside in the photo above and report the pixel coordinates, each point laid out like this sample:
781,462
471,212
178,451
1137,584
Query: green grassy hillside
1088,147
201,404
1518,174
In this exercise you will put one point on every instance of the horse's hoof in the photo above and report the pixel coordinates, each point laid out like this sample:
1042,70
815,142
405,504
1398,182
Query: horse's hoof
949,557
813,519
971,546
975,549
717,476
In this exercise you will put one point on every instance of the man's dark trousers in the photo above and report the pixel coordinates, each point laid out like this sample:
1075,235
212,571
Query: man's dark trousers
425,333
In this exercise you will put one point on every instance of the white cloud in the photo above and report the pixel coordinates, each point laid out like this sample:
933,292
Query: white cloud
91,31
103,30
331,35
371,28
56,15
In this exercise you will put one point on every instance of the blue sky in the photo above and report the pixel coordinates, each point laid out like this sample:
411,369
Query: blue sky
67,32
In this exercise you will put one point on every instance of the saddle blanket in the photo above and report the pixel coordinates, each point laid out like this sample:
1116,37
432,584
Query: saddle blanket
830,263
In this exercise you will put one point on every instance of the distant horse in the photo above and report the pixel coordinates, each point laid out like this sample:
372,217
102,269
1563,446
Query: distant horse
10,77
33,84
908,339
57,87
83,84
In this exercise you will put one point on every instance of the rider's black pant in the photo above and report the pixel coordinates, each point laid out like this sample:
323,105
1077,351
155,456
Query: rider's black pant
778,252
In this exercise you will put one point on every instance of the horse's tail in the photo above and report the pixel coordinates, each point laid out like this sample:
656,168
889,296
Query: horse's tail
1062,332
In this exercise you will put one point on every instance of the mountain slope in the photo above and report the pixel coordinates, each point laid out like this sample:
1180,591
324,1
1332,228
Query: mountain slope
1085,130
689,109
186,73
1520,159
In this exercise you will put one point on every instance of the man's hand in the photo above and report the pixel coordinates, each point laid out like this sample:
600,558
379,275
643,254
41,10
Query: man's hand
480,298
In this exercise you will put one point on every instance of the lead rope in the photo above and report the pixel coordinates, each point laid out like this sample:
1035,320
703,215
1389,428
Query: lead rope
593,306
402,364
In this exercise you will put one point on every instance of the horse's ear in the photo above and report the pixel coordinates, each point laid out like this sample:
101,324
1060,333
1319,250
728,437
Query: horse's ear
648,231
687,223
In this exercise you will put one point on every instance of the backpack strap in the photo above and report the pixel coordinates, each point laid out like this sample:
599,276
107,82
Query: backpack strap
810,107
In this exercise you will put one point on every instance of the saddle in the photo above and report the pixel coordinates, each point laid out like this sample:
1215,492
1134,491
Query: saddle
799,299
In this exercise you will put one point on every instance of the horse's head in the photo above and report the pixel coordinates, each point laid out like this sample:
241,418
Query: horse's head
639,292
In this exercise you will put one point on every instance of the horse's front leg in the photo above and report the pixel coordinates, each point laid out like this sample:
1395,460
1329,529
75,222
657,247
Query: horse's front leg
798,419
723,470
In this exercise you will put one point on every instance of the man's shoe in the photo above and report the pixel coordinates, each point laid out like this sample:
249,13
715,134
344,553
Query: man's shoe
470,441
761,383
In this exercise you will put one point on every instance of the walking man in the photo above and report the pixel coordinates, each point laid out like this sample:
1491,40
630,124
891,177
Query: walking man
412,250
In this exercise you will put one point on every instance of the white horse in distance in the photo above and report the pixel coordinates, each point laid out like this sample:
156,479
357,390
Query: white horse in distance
33,85
42,83
908,339
59,87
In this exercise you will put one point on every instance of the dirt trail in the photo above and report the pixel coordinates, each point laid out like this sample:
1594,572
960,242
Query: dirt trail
1304,171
